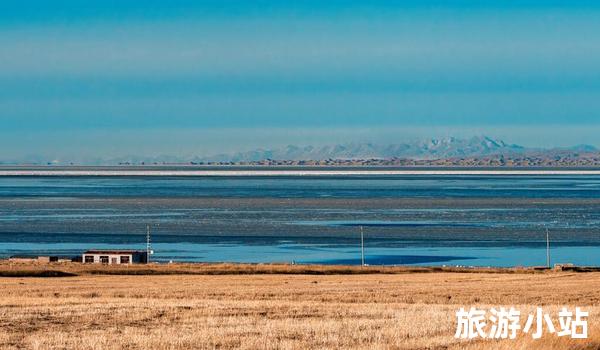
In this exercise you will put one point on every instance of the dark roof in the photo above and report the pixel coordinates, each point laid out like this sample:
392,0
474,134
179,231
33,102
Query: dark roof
34,256
114,251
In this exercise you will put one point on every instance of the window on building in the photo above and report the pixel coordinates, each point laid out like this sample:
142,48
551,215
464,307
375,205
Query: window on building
124,259
104,259
89,259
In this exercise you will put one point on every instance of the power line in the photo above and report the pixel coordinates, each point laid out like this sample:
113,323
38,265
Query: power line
547,248
148,250
362,247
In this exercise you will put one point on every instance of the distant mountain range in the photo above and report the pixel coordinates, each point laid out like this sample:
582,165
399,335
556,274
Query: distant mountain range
481,150
423,149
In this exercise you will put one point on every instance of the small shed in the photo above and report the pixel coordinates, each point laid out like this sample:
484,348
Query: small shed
115,257
33,258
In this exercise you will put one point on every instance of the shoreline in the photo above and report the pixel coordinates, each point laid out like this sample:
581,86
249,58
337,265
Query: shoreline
290,173
11,269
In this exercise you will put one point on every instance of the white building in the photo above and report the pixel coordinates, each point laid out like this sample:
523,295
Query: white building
115,257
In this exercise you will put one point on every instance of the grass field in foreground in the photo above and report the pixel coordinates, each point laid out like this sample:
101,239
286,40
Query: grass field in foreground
289,311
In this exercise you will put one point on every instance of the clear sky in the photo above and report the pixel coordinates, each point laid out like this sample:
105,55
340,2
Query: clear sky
107,78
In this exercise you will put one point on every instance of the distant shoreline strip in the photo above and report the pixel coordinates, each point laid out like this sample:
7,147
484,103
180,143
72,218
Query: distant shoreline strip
274,173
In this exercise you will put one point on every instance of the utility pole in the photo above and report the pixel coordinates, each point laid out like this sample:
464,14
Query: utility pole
148,251
362,247
547,248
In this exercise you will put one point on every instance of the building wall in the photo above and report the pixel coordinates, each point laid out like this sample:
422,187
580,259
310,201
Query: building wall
39,259
23,260
112,258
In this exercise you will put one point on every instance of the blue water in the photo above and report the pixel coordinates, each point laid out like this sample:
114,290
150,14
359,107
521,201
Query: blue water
418,220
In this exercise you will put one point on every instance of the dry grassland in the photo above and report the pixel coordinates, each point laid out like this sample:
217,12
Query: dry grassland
279,311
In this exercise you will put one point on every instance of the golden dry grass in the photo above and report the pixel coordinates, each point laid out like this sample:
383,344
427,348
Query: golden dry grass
372,311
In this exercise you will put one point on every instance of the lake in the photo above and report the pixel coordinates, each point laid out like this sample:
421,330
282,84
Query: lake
467,220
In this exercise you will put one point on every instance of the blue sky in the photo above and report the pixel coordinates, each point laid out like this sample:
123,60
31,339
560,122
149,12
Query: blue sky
107,78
